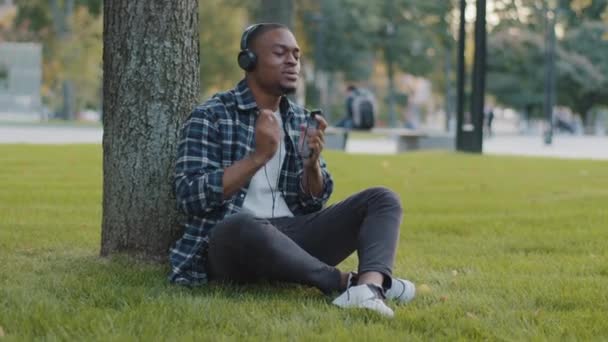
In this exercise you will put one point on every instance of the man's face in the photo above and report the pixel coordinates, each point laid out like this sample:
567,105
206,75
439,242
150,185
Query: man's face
278,61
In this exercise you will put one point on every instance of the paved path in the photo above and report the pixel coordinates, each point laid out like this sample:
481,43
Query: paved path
50,134
563,146
583,147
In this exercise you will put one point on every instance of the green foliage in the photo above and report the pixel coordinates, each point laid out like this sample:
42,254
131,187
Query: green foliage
511,249
39,13
355,37
516,56
36,13
577,12
410,33
221,26
588,43
72,47
80,56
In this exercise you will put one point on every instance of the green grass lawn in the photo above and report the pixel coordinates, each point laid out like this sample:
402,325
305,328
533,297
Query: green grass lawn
510,248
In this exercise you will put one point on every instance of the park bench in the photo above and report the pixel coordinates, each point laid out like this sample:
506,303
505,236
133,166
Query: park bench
407,139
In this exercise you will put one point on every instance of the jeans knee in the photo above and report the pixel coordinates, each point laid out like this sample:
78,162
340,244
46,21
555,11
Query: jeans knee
241,219
386,197
232,226
251,231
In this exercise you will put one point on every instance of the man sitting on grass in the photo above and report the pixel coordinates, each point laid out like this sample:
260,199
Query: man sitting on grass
254,202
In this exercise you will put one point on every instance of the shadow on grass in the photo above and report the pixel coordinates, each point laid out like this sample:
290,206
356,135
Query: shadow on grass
119,281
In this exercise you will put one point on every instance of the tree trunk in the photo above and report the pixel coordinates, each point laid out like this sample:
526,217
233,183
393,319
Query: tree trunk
461,79
68,100
278,11
61,22
583,108
151,82
448,88
392,110
588,122
479,77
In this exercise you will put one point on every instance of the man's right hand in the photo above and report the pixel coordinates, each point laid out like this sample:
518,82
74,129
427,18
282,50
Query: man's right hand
267,136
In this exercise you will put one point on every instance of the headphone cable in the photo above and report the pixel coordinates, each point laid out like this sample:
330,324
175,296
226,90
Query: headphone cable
273,193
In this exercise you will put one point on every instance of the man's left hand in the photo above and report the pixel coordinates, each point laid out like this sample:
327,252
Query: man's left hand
316,142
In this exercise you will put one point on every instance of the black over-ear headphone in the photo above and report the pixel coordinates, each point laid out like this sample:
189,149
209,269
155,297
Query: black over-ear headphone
247,59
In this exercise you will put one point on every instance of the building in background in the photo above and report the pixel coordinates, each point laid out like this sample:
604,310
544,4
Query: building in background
20,81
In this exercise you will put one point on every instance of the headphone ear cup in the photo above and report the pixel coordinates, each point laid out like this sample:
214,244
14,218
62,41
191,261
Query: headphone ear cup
247,60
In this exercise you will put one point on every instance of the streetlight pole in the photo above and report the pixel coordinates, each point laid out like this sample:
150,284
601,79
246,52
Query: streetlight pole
461,77
469,137
479,77
390,61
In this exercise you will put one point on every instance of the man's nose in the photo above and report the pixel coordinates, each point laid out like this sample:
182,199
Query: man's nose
291,59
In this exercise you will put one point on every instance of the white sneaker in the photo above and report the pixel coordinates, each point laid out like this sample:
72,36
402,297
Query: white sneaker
364,296
401,290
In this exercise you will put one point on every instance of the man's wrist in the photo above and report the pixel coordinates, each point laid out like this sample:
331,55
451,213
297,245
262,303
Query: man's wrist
306,186
257,160
313,168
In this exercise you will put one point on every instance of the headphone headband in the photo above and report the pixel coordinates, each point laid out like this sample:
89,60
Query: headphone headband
248,31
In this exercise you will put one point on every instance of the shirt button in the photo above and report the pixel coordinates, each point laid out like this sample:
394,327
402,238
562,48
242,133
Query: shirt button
242,195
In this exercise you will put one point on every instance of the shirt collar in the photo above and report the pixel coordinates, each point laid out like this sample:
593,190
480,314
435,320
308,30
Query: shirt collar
244,97
246,101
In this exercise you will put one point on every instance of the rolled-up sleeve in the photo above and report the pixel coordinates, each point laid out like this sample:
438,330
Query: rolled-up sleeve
311,203
198,172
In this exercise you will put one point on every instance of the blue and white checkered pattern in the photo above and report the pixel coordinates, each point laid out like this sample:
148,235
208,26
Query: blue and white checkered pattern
217,134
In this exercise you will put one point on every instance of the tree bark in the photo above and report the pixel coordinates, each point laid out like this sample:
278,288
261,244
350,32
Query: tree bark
151,82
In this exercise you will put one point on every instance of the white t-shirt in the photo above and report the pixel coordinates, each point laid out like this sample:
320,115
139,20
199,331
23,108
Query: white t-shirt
264,184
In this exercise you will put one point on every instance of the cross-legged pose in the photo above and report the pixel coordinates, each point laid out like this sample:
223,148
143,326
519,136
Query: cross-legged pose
251,181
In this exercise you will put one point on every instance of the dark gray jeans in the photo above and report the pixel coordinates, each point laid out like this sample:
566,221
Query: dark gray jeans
305,249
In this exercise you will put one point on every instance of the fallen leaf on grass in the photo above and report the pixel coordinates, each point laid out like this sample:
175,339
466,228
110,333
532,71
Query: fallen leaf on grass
423,289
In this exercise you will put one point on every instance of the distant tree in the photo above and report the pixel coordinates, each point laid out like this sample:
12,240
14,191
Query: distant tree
410,32
219,44
515,71
516,55
588,43
52,23
280,11
577,12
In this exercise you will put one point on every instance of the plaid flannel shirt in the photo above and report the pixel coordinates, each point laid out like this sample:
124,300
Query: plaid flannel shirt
217,134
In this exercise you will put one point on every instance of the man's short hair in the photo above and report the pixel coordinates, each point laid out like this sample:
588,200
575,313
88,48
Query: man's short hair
263,28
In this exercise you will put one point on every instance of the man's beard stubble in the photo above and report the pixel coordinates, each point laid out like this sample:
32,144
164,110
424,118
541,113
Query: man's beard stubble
288,90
